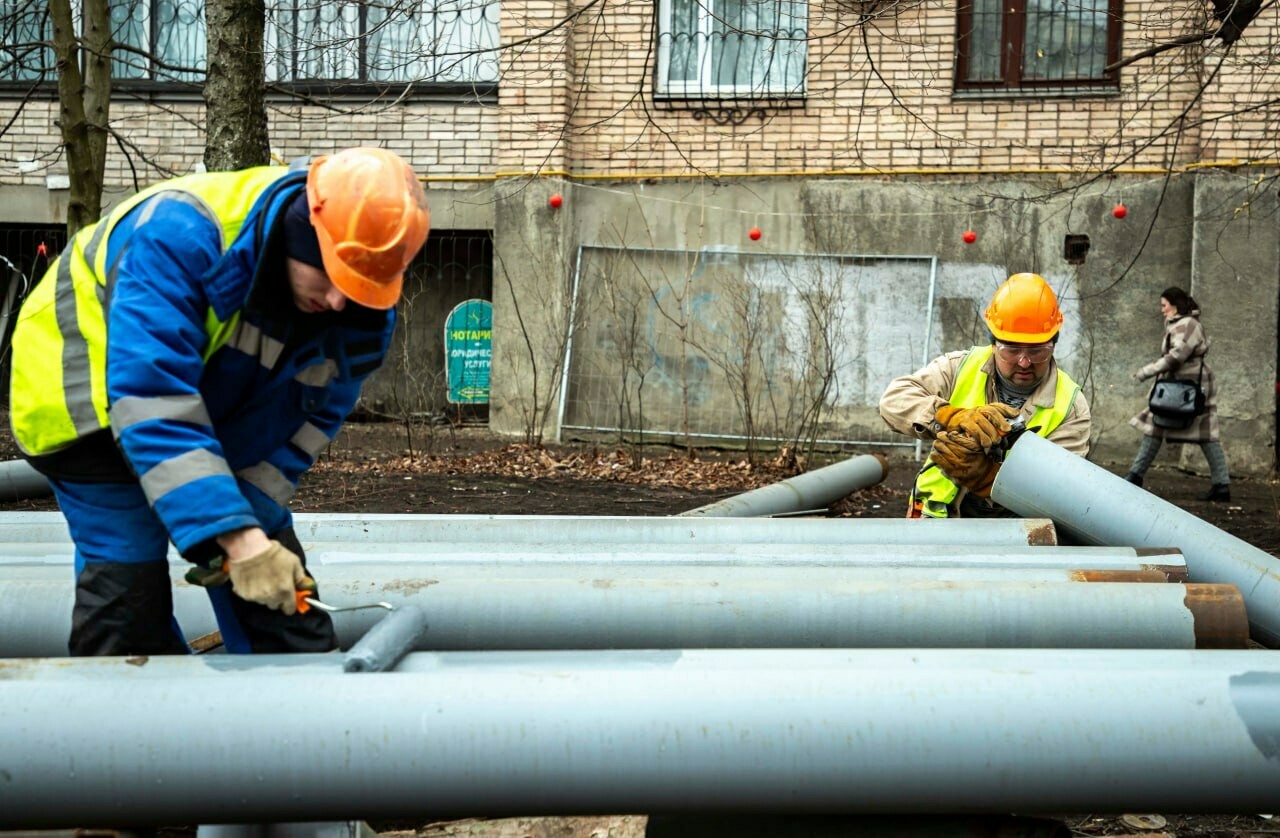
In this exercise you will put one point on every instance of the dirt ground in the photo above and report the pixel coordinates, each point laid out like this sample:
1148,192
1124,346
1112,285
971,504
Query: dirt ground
386,468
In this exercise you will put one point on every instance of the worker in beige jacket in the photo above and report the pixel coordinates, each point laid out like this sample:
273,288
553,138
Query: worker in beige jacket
957,402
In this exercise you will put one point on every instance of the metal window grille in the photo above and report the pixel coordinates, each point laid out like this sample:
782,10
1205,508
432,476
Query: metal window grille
1037,44
306,41
454,266
433,40
731,50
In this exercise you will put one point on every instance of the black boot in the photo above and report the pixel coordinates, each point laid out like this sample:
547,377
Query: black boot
1219,492
1135,479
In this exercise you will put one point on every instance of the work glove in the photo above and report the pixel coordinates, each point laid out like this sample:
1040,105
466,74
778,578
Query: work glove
962,459
1143,373
271,578
987,423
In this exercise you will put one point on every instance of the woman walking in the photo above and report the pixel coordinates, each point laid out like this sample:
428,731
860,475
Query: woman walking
1182,356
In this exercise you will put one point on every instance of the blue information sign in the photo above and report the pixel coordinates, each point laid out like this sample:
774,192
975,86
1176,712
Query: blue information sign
468,336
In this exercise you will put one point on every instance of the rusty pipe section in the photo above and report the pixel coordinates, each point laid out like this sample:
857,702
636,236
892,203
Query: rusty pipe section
750,731
1218,611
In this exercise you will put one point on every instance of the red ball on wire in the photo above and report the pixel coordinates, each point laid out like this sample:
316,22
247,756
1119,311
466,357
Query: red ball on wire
1120,211
969,237
555,201
754,234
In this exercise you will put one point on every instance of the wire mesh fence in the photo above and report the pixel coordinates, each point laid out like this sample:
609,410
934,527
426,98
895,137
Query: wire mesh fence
454,266
723,344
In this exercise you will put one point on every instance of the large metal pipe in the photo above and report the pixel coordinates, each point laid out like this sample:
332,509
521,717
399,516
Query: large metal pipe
1098,507
923,731
19,481
480,530
822,611
659,556
812,490
504,608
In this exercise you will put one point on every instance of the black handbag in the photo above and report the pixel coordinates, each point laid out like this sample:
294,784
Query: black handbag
1176,402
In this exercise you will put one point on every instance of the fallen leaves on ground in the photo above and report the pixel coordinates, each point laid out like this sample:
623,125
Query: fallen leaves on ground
686,471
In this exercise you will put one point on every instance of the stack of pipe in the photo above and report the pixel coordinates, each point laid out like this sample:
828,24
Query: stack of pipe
570,582
501,718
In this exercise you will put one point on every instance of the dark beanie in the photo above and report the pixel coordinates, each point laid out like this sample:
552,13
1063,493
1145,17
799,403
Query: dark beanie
300,240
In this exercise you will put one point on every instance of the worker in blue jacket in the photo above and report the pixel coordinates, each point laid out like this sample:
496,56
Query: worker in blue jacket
184,361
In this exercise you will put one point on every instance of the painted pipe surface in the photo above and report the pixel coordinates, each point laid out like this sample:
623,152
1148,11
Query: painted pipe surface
353,529
815,489
491,608
805,731
618,613
1098,507
321,555
387,641
19,481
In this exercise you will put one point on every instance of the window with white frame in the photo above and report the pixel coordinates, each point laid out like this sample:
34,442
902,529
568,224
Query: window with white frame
732,49
338,42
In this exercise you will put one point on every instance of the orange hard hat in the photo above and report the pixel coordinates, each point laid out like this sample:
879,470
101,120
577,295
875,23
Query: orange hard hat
370,215
1024,310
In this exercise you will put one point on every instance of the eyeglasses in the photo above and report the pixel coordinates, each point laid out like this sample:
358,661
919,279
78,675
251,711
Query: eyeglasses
1035,354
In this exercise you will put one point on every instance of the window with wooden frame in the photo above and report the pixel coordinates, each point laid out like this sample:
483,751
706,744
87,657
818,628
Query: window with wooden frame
1037,45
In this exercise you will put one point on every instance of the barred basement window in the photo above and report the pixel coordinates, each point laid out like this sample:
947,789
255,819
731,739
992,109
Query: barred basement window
1037,45
731,49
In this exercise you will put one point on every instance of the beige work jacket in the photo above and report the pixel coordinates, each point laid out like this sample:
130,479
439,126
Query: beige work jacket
911,401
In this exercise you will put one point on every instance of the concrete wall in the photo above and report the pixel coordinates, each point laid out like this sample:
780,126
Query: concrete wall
1184,232
1235,262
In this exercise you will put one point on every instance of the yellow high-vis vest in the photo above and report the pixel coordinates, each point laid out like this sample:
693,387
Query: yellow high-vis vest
934,494
58,389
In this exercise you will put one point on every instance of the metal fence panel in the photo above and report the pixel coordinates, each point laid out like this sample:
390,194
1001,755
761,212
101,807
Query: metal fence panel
721,343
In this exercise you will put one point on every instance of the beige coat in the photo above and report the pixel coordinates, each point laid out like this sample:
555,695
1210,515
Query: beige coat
910,402
1182,356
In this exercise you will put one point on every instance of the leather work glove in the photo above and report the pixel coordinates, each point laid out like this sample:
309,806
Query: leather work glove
967,464
987,423
1144,373
271,578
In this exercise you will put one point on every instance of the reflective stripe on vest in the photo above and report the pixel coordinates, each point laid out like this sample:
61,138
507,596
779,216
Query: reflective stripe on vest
58,392
934,493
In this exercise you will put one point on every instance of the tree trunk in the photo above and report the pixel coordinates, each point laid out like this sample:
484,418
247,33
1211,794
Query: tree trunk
234,88
83,104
